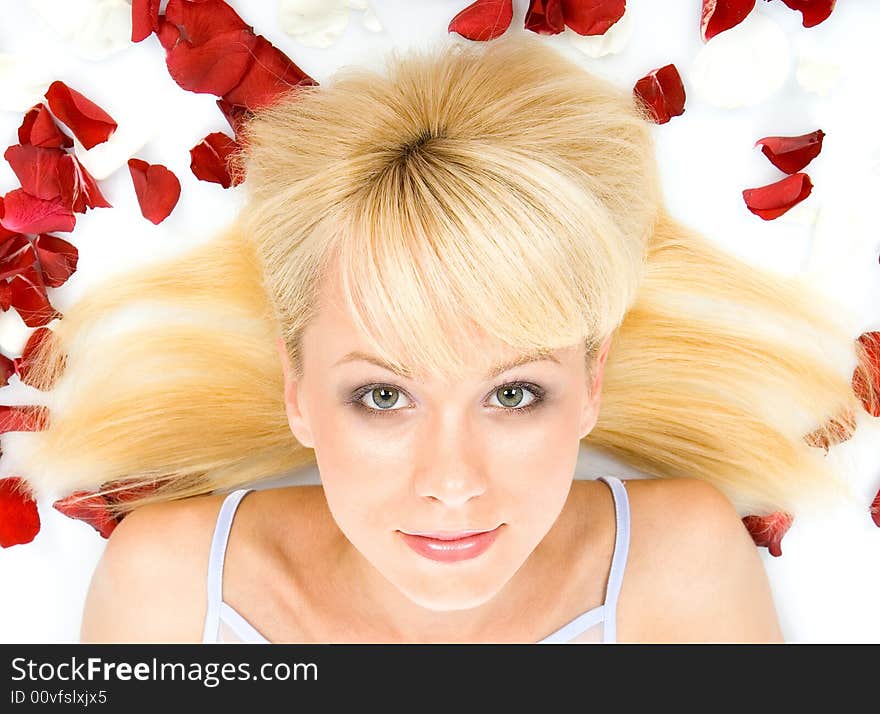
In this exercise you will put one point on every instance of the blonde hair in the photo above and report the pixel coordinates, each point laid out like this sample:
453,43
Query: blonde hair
496,185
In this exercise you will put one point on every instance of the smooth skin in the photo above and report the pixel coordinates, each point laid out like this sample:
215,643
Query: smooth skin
412,452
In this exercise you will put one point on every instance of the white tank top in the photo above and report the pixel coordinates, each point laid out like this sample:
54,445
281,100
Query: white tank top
223,623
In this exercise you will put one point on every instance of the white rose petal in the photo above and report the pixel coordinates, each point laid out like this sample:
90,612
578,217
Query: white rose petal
23,81
370,21
614,40
94,29
816,71
314,23
108,156
742,66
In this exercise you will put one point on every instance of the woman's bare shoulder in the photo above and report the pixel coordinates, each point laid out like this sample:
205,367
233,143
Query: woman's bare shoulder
150,583
694,573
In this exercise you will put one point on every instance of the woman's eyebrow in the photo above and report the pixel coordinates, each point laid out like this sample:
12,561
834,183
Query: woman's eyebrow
357,355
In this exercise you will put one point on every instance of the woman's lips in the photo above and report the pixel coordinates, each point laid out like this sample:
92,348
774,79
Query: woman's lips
451,547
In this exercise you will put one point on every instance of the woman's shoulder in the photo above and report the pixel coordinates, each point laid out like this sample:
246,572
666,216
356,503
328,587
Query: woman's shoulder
693,573
150,582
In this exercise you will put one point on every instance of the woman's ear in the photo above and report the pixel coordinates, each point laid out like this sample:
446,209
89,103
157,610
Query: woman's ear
296,416
594,398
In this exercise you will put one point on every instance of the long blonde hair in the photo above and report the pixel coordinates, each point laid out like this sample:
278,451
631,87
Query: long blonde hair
496,184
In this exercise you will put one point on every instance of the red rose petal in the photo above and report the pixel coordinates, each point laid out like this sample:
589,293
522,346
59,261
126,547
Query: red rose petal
16,255
214,67
483,20
208,159
198,22
40,129
768,531
837,430
662,92
592,17
875,510
168,33
19,517
774,199
28,297
812,11
88,122
7,369
5,295
866,375
57,257
270,74
792,153
721,15
25,417
88,507
545,17
156,187
79,190
235,115
22,365
144,19
23,213
36,168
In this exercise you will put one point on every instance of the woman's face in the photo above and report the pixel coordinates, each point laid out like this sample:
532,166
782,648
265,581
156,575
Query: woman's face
481,451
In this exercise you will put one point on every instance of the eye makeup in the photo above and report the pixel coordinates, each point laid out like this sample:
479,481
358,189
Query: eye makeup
538,397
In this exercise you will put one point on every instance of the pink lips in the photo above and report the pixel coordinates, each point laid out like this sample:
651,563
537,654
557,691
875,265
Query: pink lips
451,547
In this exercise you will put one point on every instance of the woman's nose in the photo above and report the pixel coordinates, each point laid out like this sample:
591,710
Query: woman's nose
449,466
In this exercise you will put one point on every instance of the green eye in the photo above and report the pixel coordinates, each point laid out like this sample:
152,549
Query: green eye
384,397
510,396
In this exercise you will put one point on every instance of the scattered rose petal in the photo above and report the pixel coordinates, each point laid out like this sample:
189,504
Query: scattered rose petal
24,78
545,17
28,297
40,129
837,430
743,66
768,531
88,122
94,29
662,92
314,24
19,517
875,509
817,69
16,254
144,19
79,190
214,67
592,17
774,199
88,507
208,159
866,375
792,153
57,257
22,365
812,11
7,369
198,22
611,42
36,168
483,20
156,187
235,115
25,417
5,296
270,74
23,213
721,15
168,33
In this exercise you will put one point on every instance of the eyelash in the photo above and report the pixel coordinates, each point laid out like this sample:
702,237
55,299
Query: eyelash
537,392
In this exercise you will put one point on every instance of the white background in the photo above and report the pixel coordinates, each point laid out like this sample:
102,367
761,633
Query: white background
826,583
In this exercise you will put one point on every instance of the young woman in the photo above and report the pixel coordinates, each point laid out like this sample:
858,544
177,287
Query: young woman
439,274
